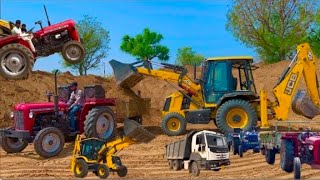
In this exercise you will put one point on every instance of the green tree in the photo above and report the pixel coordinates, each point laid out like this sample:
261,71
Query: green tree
96,41
145,46
314,37
273,27
186,56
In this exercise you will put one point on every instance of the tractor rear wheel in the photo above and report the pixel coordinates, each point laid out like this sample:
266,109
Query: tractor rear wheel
12,145
236,113
16,61
80,168
103,171
270,156
297,168
123,171
49,142
100,123
173,124
286,155
73,52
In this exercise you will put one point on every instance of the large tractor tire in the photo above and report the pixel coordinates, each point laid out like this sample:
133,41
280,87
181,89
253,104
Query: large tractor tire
236,113
286,155
270,156
297,168
49,142
16,61
100,123
173,124
73,52
12,145
80,168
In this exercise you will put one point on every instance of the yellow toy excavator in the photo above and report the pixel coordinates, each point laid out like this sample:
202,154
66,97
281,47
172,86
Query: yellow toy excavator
226,92
94,155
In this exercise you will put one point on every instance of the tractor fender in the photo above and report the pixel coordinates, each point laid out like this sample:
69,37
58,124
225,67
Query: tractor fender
195,157
247,95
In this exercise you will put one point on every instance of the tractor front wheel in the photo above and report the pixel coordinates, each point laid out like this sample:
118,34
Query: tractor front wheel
49,142
240,151
100,123
103,171
123,171
297,168
12,145
173,124
236,113
286,155
80,168
73,52
270,156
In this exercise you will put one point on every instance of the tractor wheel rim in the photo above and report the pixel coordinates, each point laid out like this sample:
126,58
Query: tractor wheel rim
14,143
78,168
237,118
105,125
73,52
51,142
173,124
13,63
101,171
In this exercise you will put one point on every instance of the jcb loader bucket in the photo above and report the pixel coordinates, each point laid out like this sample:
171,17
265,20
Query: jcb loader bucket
126,74
135,131
302,105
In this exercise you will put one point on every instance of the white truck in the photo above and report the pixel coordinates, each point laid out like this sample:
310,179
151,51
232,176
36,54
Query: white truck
198,150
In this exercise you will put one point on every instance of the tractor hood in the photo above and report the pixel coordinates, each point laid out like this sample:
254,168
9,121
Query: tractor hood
47,106
313,140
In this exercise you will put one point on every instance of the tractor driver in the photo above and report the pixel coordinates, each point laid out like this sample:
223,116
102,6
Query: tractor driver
75,104
25,36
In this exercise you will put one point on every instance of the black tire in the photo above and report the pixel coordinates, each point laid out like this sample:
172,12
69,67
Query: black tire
286,155
256,150
78,48
176,165
240,151
296,168
48,136
224,109
24,54
105,113
123,171
176,117
12,145
270,156
103,171
195,170
80,169
170,164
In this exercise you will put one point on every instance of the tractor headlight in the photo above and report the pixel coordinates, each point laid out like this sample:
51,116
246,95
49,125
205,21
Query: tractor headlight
310,147
11,115
31,115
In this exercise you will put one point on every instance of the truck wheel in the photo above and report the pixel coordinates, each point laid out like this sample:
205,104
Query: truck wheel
49,142
286,155
173,124
12,145
73,52
195,169
176,165
103,171
270,156
16,61
170,163
80,169
123,171
236,113
100,123
240,151
297,168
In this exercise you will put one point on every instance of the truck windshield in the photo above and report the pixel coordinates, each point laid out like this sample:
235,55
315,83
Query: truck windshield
216,141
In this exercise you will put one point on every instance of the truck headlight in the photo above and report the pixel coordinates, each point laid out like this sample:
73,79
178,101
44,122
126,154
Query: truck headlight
11,115
310,147
31,115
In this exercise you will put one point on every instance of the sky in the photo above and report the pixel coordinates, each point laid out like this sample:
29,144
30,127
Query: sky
199,24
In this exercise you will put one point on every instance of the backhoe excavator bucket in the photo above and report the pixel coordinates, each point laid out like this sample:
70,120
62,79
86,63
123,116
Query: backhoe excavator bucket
302,105
136,132
126,74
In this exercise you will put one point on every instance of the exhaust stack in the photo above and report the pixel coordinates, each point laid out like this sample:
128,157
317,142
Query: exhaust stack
55,96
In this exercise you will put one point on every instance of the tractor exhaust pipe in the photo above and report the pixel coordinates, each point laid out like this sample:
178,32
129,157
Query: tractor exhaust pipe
55,96
45,10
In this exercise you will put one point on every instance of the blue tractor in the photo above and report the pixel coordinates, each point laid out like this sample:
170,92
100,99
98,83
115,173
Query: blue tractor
242,141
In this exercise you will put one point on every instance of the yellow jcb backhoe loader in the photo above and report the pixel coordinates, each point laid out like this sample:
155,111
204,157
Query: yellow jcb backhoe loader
95,155
5,27
226,92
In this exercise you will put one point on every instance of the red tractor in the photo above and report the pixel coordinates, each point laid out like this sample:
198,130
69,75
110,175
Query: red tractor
17,57
298,148
47,124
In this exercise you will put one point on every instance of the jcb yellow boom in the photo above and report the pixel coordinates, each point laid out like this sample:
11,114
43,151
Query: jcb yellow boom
100,157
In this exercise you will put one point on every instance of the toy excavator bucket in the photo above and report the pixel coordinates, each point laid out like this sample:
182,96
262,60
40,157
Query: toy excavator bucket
126,75
302,105
135,131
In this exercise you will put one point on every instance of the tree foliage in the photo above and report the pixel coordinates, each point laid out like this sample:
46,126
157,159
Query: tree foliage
186,56
145,46
96,41
314,37
273,27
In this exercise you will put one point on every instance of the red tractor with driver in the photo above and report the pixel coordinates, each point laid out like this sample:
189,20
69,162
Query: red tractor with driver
17,57
47,124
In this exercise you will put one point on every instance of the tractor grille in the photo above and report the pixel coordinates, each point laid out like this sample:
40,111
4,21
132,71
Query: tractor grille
19,121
